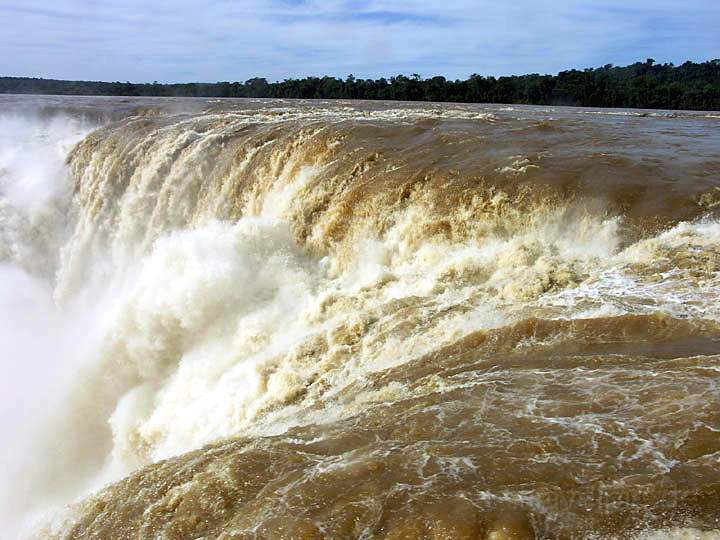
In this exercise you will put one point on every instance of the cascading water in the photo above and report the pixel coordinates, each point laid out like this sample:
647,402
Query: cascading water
266,320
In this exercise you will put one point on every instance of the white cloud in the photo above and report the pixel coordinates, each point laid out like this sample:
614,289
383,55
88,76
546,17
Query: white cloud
227,40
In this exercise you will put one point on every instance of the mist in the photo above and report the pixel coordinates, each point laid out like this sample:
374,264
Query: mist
39,341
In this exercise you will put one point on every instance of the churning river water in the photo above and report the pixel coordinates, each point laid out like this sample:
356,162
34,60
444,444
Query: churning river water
268,319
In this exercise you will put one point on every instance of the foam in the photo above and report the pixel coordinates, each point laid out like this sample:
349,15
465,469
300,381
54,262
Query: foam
214,302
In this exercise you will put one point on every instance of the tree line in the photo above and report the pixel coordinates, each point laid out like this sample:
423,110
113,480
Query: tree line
642,85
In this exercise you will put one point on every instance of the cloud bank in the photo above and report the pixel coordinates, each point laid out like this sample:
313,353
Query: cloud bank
217,40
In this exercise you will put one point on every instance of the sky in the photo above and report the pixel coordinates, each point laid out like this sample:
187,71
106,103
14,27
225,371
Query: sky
229,40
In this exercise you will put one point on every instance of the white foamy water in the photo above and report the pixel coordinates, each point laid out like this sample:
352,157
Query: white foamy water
152,324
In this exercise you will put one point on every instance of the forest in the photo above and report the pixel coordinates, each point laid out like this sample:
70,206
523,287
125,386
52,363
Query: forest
690,86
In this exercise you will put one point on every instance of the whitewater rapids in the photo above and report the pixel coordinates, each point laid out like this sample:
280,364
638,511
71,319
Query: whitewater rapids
237,319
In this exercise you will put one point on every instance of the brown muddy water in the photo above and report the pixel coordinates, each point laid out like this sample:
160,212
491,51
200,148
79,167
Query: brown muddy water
268,319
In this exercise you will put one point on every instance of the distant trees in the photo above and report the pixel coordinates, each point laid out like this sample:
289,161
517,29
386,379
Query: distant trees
642,84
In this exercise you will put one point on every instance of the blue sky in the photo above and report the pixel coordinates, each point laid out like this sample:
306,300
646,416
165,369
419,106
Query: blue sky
213,40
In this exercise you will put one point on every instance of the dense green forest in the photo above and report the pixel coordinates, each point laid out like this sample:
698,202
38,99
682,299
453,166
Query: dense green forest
643,84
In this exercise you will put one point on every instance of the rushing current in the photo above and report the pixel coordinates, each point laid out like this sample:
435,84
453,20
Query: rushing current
267,319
